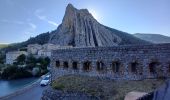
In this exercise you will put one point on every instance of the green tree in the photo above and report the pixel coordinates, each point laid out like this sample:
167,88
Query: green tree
14,72
44,62
21,59
2,57
31,62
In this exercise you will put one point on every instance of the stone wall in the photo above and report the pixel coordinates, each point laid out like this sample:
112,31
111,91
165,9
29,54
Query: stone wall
51,94
119,62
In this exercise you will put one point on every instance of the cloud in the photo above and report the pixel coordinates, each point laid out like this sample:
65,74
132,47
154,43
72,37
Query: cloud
52,23
13,22
44,18
33,26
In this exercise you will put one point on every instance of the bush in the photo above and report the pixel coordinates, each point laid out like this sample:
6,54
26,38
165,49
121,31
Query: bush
58,86
13,72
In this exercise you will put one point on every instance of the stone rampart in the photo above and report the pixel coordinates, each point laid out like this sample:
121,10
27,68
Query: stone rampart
119,62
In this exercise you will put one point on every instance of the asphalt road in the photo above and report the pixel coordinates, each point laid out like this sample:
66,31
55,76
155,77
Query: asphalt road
31,94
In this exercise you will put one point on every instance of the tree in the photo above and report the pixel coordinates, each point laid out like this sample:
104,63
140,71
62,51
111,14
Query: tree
47,60
31,62
14,72
21,59
44,62
2,57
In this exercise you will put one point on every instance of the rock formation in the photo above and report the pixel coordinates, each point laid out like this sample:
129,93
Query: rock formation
79,28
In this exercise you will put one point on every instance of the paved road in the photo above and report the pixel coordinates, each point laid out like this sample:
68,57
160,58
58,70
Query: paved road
31,94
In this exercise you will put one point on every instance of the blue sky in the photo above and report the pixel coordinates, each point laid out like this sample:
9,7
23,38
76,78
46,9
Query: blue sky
22,19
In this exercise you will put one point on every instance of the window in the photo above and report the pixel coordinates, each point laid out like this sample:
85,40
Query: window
100,66
152,67
169,67
57,63
134,67
115,66
65,64
75,65
86,66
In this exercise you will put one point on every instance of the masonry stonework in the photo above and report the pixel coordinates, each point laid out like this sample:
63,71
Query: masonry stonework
119,62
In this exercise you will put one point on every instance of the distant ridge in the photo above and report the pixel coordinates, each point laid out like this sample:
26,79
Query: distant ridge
39,39
154,38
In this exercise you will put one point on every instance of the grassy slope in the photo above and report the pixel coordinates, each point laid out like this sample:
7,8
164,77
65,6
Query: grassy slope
3,46
108,89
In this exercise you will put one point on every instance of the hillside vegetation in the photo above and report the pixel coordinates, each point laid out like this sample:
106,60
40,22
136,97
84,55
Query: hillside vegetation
3,46
128,39
154,38
39,39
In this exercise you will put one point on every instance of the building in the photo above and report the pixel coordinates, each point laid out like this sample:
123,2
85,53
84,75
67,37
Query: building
12,56
44,53
119,62
50,46
33,49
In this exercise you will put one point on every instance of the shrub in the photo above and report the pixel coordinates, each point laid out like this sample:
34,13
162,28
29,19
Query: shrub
58,86
13,72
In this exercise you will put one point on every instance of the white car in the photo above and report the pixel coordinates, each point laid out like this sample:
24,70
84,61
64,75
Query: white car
45,81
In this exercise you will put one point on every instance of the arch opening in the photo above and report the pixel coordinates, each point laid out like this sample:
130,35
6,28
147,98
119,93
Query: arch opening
57,63
100,66
152,67
115,66
74,64
134,66
65,65
87,66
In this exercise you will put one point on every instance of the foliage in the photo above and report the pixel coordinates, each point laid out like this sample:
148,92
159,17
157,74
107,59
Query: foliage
2,57
3,46
40,39
21,59
14,72
23,49
128,38
1,66
44,62
153,38
105,88
57,86
31,62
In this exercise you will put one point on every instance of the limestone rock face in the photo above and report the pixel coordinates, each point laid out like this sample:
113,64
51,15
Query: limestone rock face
80,29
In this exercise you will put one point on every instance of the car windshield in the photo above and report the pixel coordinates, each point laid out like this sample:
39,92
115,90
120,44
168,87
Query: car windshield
46,78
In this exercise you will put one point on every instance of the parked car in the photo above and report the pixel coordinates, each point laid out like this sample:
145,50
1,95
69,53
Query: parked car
45,81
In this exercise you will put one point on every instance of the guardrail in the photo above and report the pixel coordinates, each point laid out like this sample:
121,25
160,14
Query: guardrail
148,96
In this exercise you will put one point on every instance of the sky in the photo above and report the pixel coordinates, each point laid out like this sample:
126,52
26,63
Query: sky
22,19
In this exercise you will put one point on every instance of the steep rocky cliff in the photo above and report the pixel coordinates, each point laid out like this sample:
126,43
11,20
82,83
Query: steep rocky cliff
80,29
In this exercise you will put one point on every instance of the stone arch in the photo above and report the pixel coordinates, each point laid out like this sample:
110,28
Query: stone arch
134,66
75,65
116,66
153,67
100,66
169,67
87,66
57,63
65,65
